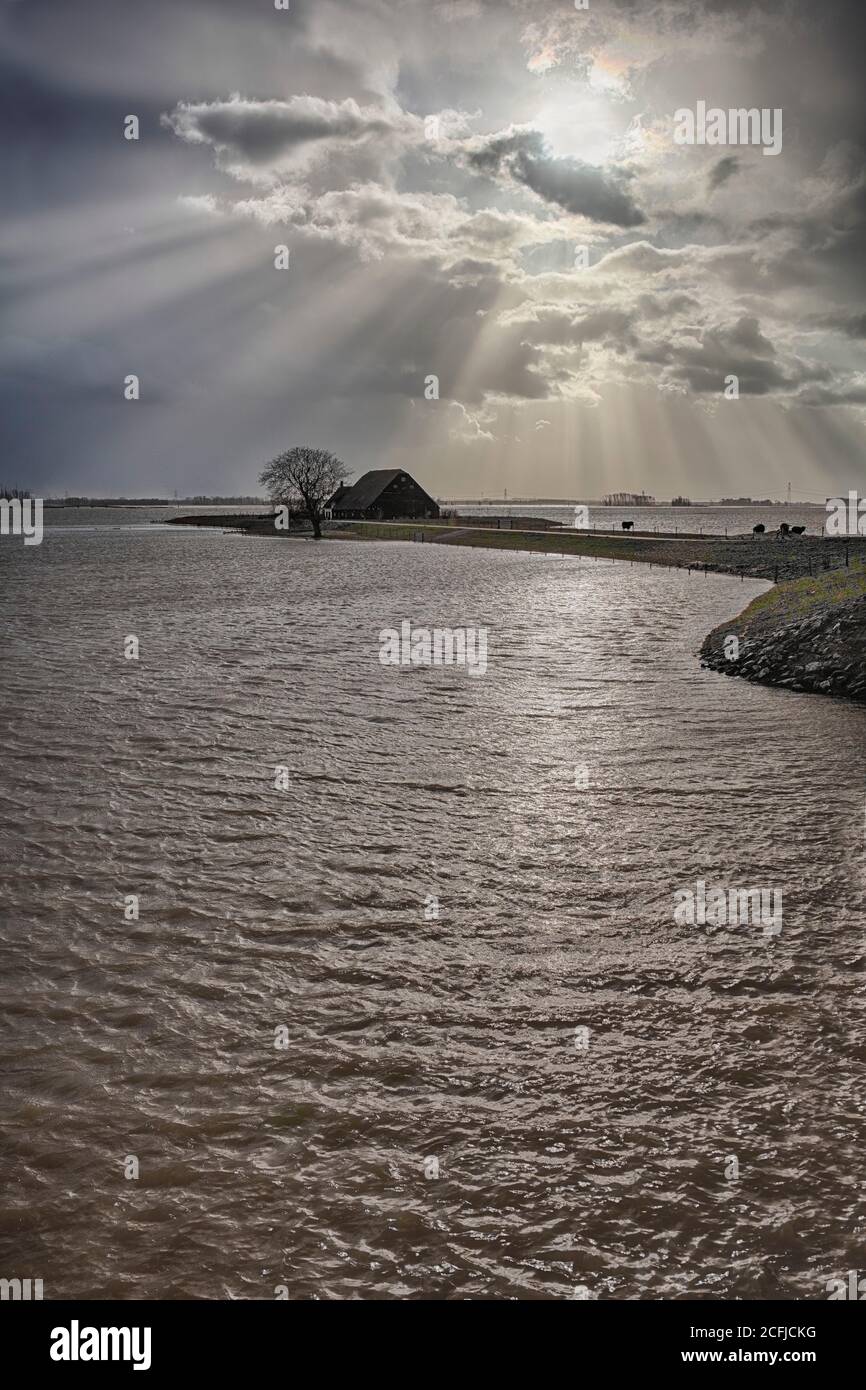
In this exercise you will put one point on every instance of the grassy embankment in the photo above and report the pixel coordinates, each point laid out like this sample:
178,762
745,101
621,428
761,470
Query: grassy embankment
763,557
808,634
610,547
801,598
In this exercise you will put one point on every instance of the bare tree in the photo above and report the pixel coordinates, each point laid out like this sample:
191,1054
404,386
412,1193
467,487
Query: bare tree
304,477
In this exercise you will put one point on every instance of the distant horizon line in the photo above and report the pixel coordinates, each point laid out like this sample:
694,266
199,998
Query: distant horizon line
598,502
223,499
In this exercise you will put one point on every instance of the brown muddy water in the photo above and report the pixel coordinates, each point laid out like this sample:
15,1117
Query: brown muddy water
552,807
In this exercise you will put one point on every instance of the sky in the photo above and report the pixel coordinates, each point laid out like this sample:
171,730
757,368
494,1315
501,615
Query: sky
489,194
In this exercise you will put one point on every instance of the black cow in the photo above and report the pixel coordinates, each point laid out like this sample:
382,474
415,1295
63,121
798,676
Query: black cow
784,528
797,530
627,525
759,529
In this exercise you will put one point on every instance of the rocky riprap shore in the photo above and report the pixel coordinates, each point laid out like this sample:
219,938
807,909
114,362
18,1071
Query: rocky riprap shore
808,635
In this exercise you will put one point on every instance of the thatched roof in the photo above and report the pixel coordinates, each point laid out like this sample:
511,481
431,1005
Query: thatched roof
367,489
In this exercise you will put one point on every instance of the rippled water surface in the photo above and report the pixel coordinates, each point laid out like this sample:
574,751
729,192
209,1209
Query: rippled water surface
411,1037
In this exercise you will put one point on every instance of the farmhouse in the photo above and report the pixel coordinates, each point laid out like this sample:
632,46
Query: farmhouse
383,494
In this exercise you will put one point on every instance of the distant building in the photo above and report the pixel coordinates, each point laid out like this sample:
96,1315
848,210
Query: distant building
383,494
628,499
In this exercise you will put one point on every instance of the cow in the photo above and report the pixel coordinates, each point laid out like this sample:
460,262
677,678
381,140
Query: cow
759,529
797,530
627,525
784,528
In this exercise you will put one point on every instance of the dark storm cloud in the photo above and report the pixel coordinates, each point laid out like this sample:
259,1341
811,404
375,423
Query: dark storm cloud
723,170
853,325
260,131
704,360
411,255
601,195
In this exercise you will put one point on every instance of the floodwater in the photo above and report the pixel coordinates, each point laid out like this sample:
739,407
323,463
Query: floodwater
419,1022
